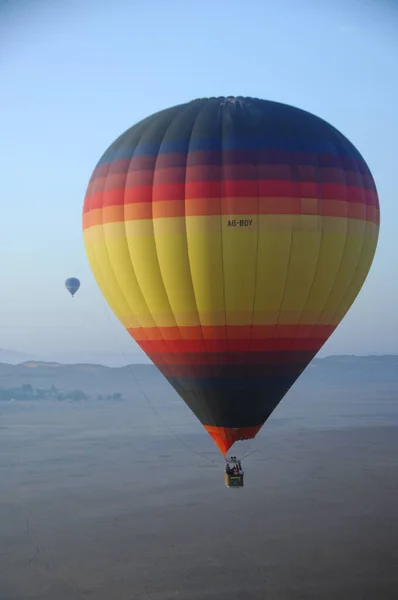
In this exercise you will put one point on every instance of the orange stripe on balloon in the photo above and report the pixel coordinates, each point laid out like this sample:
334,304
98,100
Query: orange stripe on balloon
231,207
225,437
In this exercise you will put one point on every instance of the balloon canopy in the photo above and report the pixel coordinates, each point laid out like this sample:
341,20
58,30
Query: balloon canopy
230,236
72,285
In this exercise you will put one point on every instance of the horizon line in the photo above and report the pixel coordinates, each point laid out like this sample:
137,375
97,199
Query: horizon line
151,364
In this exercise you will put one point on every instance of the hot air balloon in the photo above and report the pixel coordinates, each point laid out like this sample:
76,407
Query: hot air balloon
230,236
72,285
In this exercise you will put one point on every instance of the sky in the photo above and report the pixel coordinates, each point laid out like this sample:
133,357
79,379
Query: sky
75,74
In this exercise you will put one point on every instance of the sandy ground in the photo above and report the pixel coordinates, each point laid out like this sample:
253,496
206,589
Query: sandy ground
98,502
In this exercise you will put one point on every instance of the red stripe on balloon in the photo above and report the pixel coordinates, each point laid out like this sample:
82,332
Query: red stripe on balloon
228,188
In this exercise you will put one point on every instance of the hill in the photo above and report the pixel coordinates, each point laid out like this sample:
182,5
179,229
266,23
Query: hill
353,369
13,357
52,379
109,359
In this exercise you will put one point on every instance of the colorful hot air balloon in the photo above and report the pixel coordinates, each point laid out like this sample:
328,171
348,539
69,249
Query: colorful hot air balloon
230,236
72,285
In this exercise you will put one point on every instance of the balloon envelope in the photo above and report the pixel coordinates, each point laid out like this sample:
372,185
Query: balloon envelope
230,236
72,285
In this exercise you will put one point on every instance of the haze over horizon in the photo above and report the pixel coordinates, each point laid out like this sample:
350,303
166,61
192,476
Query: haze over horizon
76,77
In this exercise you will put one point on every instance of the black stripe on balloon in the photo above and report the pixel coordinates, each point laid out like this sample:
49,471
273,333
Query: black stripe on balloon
233,402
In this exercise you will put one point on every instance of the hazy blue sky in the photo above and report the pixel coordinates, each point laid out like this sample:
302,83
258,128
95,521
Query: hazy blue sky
75,74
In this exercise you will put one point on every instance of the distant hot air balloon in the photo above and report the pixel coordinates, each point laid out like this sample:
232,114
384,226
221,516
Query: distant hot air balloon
230,236
72,285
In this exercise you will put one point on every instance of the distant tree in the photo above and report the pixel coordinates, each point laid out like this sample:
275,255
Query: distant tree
26,391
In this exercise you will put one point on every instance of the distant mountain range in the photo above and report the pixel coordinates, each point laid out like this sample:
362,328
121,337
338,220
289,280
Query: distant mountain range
13,357
94,380
121,359
366,372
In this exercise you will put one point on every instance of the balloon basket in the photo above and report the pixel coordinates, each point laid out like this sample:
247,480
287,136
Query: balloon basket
233,481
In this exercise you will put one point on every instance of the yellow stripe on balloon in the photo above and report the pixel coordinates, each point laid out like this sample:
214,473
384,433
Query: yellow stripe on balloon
283,268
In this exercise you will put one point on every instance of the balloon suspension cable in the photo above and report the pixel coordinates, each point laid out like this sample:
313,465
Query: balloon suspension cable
151,406
250,453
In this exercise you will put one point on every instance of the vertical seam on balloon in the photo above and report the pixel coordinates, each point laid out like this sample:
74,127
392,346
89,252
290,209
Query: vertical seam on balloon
128,247
222,191
320,200
94,246
255,161
287,269
153,227
350,287
206,416
193,367
360,257
218,105
361,252
337,154
185,219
